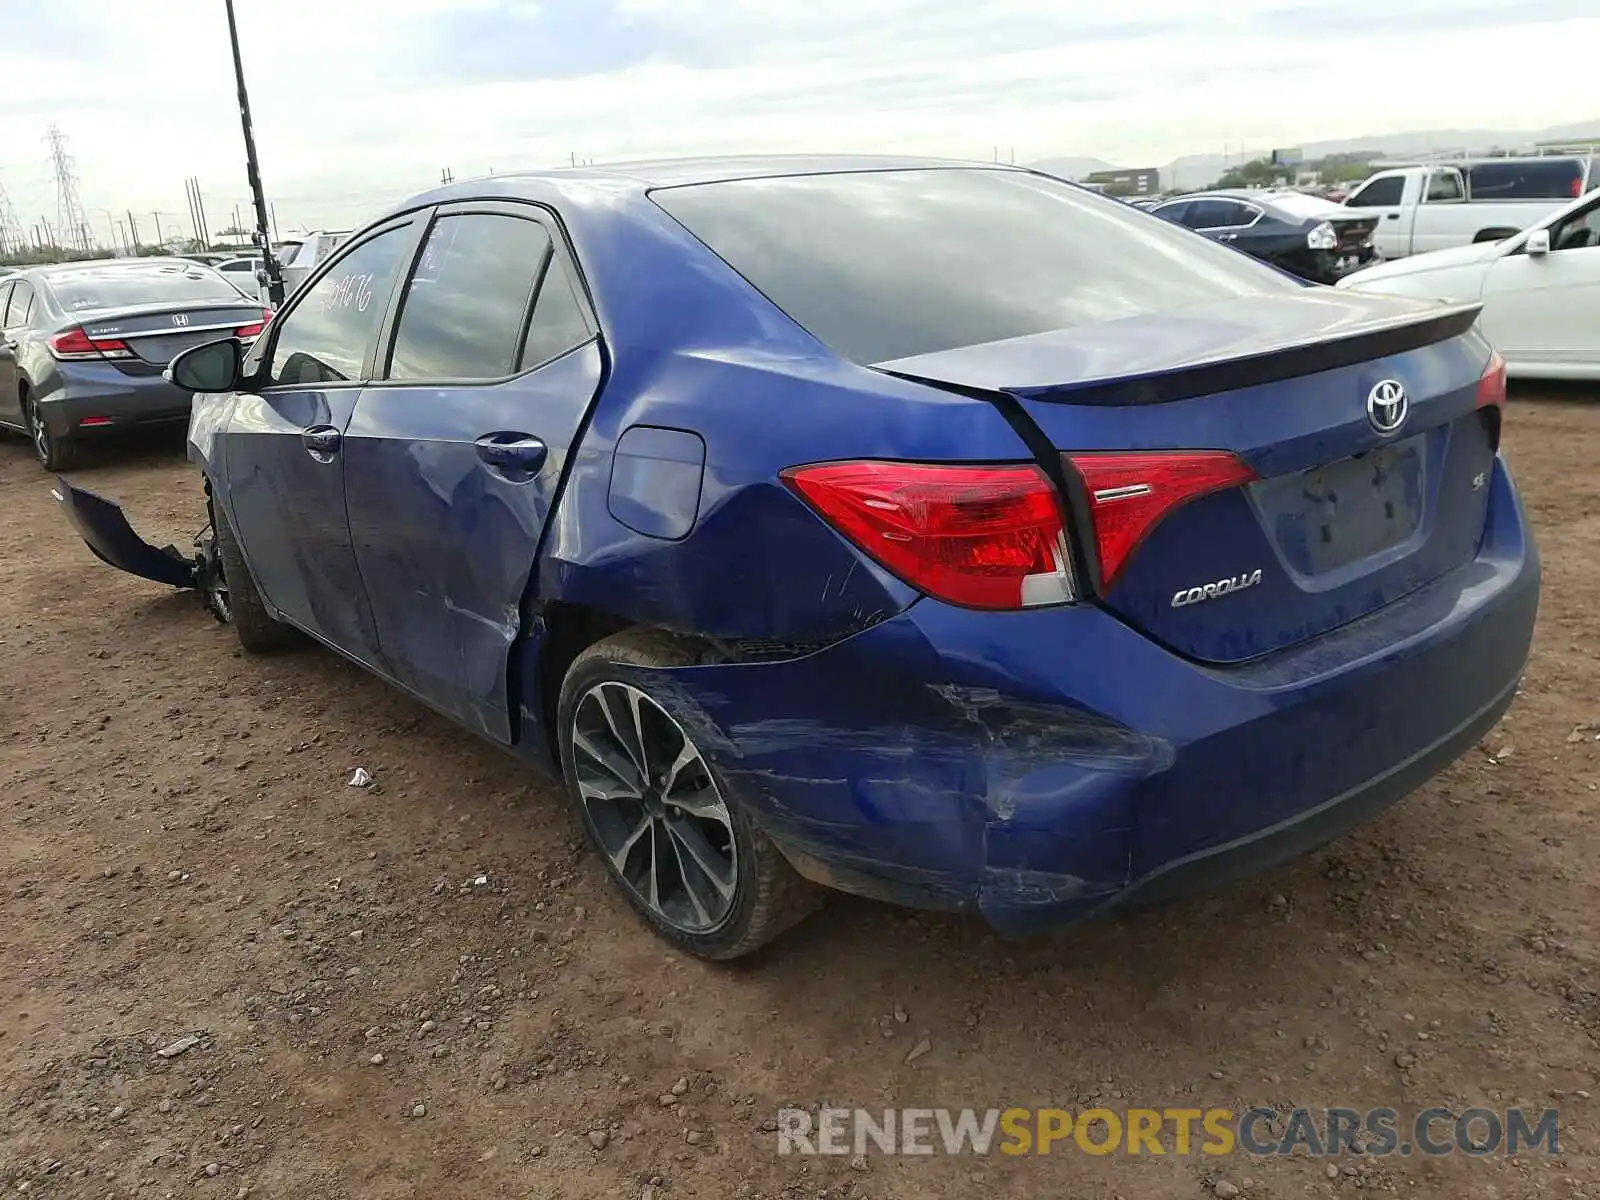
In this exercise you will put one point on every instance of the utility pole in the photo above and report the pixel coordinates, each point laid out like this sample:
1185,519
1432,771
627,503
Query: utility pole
447,176
160,240
134,227
268,259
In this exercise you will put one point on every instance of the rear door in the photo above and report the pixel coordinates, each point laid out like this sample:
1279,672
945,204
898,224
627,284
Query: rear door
283,449
1441,220
454,456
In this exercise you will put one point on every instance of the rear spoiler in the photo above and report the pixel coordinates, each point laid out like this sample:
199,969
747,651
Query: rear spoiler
1159,358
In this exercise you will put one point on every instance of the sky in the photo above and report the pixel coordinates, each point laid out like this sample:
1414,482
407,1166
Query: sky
361,103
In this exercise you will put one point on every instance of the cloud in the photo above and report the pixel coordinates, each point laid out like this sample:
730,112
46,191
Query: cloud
359,103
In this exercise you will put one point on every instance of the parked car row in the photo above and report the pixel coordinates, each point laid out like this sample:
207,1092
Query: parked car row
1539,290
1304,235
83,345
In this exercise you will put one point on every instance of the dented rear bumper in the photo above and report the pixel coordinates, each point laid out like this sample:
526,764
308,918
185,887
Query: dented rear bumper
1044,766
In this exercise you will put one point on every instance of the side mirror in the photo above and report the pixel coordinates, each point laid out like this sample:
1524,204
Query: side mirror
214,367
1538,243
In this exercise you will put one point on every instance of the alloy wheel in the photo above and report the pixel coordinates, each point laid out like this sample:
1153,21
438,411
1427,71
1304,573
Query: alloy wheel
41,435
654,807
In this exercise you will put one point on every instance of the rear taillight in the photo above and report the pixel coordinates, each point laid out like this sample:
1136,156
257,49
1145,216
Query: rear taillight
75,344
982,537
1492,384
1129,494
1577,187
250,331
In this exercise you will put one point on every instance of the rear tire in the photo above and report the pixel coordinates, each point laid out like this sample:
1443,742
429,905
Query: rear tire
654,828
54,454
258,632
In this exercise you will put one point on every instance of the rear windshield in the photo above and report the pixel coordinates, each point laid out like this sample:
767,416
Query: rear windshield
1552,179
92,289
888,264
1302,206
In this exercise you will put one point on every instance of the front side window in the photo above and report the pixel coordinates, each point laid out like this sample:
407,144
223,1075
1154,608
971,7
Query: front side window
326,336
879,265
1380,193
467,302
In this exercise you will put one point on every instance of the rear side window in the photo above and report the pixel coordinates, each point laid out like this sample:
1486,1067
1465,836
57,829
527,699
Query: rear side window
20,308
326,336
97,289
1218,214
1380,193
887,264
467,302
558,322
1445,187
1553,179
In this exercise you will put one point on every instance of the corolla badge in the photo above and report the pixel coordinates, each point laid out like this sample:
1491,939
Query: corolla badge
1387,405
1213,591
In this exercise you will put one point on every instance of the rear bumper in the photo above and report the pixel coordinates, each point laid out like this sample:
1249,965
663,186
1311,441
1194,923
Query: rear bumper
112,400
1046,766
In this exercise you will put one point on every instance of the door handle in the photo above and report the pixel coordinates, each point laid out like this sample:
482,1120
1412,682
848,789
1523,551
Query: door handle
520,452
321,442
1391,216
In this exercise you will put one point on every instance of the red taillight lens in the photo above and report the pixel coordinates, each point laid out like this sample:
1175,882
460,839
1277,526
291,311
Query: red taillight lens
1577,187
1129,494
982,537
1492,384
76,344
250,331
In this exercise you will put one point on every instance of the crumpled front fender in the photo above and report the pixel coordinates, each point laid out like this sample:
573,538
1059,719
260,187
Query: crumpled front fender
106,531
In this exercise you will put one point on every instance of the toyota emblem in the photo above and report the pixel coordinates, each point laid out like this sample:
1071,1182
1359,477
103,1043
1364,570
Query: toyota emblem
1387,406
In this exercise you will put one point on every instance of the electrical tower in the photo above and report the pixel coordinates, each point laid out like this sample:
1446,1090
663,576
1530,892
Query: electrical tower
12,237
70,220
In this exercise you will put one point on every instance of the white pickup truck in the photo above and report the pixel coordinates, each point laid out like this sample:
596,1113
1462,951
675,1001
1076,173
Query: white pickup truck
1435,206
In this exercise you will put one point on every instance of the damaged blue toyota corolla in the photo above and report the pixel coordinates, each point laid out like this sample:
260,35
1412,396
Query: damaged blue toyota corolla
938,532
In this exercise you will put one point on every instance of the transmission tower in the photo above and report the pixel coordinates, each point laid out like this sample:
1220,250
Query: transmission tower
11,235
70,220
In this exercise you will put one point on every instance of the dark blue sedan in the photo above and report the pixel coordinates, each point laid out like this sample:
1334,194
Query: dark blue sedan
938,532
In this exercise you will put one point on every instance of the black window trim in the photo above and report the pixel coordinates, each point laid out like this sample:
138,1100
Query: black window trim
6,287
416,220
496,206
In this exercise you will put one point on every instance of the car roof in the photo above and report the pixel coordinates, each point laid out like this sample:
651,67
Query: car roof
676,172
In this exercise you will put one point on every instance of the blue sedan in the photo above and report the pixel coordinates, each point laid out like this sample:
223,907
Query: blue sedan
937,532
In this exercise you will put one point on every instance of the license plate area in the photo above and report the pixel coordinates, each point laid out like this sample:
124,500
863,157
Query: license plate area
1327,517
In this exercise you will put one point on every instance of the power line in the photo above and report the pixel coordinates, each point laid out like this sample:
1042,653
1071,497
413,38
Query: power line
11,235
70,219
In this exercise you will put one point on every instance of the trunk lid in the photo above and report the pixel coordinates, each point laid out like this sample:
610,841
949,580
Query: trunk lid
1353,232
1342,518
159,333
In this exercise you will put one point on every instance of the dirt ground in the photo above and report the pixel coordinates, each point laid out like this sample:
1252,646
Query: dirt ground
181,855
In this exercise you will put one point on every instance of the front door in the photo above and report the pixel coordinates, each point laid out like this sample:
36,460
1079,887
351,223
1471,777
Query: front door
283,450
1542,308
455,452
